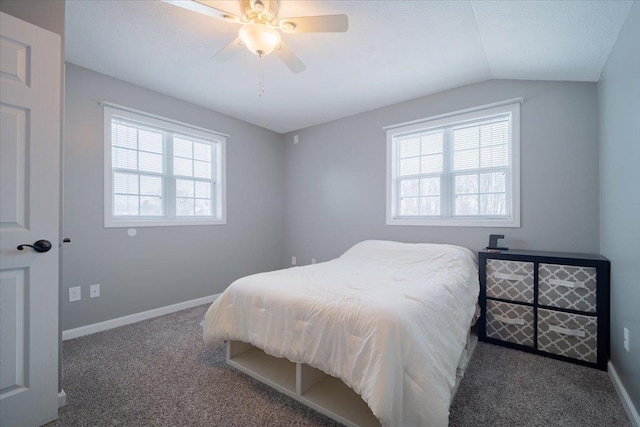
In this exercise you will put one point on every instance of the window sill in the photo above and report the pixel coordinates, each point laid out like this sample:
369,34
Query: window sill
450,222
112,223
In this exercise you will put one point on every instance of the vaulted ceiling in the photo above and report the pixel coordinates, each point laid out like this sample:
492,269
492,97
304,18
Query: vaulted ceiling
394,51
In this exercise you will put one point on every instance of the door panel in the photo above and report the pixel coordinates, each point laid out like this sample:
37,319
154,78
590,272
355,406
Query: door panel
29,210
13,352
14,63
13,175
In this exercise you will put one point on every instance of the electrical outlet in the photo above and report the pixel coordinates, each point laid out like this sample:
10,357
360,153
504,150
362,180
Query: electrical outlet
626,339
94,291
75,294
293,260
313,260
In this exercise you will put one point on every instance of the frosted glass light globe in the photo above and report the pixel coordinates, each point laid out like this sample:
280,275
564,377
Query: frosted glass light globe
259,39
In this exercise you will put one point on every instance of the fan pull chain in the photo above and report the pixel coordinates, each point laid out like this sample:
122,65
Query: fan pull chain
260,77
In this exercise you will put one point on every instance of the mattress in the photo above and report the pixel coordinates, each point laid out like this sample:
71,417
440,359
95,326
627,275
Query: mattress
389,319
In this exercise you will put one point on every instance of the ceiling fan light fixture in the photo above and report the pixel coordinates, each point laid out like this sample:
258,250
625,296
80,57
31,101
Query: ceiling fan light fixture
259,38
261,28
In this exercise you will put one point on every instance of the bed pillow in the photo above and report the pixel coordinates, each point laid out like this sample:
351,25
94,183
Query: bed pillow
406,253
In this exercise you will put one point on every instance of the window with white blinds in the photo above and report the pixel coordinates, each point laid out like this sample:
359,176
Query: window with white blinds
160,172
461,169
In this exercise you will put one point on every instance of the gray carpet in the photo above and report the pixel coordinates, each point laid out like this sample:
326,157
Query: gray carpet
159,373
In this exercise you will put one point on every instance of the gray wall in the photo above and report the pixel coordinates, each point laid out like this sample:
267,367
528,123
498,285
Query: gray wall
162,265
619,97
335,176
46,14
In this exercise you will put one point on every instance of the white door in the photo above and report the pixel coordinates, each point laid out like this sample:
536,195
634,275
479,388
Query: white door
30,61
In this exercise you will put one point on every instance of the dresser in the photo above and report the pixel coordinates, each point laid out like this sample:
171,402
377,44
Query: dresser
549,303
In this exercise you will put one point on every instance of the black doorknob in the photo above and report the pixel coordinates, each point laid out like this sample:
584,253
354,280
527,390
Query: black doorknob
39,246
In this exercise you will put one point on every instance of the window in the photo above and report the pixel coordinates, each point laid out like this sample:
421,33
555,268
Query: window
161,172
459,169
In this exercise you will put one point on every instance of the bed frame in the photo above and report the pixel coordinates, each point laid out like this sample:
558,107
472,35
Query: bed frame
314,388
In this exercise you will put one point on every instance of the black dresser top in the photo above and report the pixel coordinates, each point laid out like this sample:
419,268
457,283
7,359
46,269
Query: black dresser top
546,254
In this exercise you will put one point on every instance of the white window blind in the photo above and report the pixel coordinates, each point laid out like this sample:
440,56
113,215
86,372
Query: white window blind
138,170
481,168
159,172
458,170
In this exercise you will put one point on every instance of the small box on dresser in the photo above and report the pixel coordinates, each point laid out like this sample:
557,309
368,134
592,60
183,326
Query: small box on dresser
550,303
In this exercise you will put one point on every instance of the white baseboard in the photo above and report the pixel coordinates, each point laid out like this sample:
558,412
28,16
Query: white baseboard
134,318
62,398
631,410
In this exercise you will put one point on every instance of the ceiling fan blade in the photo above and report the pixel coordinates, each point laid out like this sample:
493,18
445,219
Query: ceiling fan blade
229,50
316,24
204,7
289,58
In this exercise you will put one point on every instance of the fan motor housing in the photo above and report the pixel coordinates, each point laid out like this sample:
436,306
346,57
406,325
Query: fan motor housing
270,11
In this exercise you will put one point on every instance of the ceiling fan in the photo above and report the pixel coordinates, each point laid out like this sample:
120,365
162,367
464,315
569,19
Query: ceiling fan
260,31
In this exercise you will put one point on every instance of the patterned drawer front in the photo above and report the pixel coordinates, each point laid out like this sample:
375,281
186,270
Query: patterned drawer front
571,335
567,287
510,322
512,280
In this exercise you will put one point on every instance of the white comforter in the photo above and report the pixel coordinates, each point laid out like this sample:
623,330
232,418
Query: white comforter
389,319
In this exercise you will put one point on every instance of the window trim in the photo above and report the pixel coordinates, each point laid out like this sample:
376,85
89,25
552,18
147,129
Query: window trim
511,106
117,111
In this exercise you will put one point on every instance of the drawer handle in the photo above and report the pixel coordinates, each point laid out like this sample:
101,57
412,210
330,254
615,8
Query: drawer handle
564,331
514,277
566,283
509,321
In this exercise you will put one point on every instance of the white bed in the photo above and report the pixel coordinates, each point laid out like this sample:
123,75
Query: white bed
391,320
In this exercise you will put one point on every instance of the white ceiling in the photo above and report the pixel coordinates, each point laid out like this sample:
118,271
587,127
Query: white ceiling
394,51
